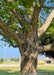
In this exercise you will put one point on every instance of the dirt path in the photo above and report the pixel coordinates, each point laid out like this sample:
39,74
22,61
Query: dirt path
8,65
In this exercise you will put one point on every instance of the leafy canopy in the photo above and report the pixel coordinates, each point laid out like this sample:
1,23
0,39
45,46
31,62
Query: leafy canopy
6,7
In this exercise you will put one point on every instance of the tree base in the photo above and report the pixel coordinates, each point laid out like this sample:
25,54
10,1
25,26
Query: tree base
29,66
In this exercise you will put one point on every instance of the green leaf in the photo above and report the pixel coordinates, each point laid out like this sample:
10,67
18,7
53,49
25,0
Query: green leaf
36,1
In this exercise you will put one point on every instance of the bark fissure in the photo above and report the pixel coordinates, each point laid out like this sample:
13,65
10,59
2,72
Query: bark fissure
28,65
29,60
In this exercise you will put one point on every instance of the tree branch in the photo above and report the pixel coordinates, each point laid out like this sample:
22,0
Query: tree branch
49,47
48,7
42,29
21,20
8,31
41,2
18,15
11,33
42,18
45,19
15,46
1,33
36,13
35,17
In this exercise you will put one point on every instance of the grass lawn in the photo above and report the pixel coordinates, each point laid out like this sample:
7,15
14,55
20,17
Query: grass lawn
10,71
45,70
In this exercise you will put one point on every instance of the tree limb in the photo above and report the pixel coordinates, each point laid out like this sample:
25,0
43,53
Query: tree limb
1,33
15,46
41,2
42,29
49,47
45,19
35,17
36,13
8,31
48,7
21,18
42,18
11,33
18,15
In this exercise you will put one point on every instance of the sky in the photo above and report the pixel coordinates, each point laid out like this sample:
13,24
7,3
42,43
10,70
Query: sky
10,51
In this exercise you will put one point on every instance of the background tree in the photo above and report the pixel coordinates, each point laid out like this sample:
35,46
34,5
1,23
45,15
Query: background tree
17,59
1,60
13,59
19,27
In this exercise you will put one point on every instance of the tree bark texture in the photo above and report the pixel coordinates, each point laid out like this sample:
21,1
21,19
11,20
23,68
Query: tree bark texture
29,59
28,66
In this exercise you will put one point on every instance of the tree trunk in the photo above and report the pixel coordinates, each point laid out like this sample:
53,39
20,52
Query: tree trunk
28,65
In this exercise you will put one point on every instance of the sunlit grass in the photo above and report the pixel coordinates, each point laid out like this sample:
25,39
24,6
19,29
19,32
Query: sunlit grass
16,70
47,68
10,69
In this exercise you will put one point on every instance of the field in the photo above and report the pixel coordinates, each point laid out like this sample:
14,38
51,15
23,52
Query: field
42,70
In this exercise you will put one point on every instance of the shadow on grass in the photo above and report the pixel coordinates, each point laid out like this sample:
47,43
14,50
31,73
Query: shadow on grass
40,72
45,72
6,72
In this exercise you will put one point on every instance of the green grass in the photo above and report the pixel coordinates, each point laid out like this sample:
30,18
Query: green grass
10,71
16,70
46,70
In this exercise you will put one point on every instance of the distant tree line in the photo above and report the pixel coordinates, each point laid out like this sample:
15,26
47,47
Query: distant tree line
15,59
11,59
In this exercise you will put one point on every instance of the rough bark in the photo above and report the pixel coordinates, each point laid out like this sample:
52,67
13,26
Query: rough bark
29,59
28,65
